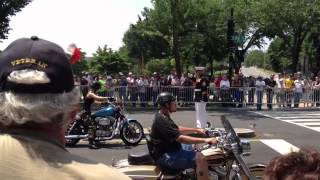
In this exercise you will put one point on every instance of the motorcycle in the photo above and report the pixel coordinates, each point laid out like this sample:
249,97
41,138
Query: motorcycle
225,160
110,120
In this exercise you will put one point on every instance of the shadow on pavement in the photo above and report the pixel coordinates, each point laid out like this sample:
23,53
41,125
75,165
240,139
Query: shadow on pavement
119,146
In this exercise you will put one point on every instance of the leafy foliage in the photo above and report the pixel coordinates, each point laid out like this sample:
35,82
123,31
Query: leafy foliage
162,66
257,58
194,32
291,21
279,56
9,8
106,61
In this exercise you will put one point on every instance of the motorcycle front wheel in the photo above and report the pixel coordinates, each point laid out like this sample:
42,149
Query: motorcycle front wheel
257,172
131,133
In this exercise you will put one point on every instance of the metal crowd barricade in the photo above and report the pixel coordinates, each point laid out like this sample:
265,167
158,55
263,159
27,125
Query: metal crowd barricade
239,96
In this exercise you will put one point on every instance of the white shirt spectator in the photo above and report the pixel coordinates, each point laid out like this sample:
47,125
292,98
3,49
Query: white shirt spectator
281,83
260,84
298,86
131,81
142,84
89,79
175,81
224,84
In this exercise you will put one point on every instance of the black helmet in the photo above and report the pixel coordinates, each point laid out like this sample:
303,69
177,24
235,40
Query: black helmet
165,97
95,86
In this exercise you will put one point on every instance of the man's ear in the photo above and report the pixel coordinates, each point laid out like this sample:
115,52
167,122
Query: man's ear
168,105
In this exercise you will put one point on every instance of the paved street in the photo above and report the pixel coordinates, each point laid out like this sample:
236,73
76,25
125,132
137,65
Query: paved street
310,120
273,137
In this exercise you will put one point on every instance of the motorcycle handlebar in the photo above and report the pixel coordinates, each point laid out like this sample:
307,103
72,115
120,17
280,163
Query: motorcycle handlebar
214,133
111,99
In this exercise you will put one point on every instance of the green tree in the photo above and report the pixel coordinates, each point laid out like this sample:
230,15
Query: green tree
162,66
9,8
279,56
312,48
172,19
247,27
291,21
143,43
105,60
195,29
256,58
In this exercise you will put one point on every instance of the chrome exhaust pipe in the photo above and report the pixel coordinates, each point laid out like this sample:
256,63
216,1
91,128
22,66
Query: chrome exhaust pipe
76,136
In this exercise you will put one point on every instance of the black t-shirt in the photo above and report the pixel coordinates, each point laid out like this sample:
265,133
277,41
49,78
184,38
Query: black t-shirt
87,104
164,133
201,87
269,82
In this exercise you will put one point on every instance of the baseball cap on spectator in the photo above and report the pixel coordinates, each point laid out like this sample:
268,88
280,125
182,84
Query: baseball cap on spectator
130,73
120,73
40,55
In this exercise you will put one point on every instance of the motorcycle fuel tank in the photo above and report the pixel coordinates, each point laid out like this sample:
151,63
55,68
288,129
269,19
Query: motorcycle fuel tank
106,111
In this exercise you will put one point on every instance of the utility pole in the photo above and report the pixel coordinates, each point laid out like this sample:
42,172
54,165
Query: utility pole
230,43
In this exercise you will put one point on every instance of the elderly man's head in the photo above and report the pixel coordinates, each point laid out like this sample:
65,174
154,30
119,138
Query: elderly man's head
302,165
36,83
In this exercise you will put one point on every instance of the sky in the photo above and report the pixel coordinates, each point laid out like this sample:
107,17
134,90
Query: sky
87,23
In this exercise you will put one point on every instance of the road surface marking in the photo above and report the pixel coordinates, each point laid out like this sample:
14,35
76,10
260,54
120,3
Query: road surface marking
280,145
300,119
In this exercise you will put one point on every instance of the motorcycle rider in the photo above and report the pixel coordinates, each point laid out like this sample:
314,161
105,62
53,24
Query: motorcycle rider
37,98
167,137
92,97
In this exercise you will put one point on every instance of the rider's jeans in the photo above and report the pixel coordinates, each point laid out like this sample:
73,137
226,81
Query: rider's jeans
179,160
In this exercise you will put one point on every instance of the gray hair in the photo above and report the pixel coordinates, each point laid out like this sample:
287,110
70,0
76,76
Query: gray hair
21,108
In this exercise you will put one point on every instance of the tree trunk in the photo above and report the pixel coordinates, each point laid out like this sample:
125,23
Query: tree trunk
175,45
295,60
237,69
211,67
318,57
295,57
240,58
231,66
142,63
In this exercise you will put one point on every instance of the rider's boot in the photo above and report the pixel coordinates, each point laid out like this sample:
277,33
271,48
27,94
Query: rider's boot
93,144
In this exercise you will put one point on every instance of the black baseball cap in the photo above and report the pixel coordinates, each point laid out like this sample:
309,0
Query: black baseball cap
36,54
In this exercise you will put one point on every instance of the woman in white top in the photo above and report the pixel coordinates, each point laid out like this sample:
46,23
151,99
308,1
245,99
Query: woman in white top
298,90
142,83
225,90
260,85
281,97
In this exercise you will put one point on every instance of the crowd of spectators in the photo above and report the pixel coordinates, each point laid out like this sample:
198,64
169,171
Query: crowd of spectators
284,89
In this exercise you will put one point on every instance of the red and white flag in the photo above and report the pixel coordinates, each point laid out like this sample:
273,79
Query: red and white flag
76,53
